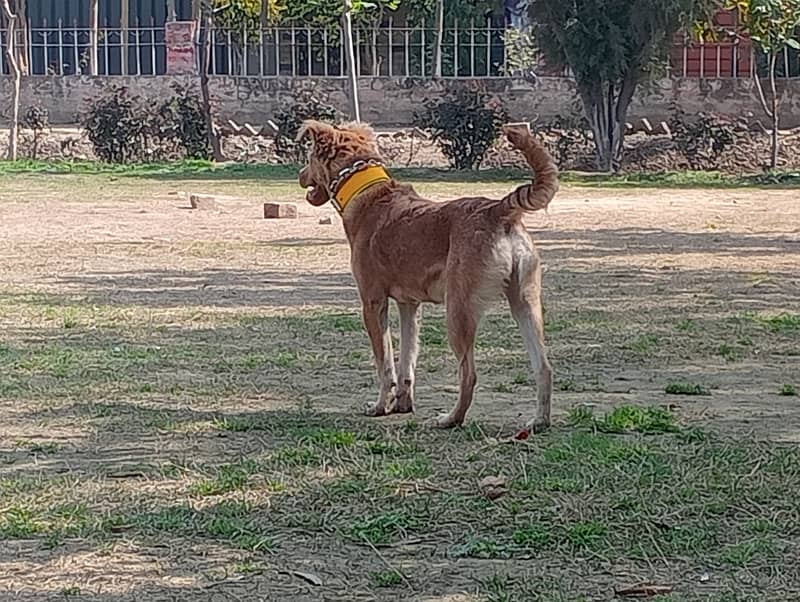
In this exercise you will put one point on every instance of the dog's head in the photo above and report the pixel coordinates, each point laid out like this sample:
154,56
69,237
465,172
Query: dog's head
333,148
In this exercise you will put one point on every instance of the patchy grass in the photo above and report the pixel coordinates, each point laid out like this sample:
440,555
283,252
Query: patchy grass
783,323
200,400
196,169
386,578
684,388
625,419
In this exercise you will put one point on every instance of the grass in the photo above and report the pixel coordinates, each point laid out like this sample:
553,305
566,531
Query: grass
625,419
386,578
789,390
208,171
222,422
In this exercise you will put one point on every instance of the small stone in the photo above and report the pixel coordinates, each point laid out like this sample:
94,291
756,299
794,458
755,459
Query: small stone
280,211
201,201
325,221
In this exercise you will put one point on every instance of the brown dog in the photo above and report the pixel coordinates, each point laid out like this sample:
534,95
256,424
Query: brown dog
465,253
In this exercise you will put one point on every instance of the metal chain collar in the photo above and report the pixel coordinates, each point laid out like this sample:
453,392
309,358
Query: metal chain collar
345,173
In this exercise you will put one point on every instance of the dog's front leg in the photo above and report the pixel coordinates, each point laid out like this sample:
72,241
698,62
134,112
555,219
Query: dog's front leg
409,350
376,320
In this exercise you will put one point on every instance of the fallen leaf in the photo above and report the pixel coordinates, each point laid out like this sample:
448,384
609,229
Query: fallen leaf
493,487
492,481
309,577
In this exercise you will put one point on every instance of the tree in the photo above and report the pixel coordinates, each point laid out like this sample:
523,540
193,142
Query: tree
773,27
16,72
205,25
610,46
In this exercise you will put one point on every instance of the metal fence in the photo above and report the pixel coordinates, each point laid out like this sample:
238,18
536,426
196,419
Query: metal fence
474,50
67,50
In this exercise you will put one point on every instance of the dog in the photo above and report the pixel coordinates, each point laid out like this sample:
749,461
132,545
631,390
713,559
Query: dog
465,253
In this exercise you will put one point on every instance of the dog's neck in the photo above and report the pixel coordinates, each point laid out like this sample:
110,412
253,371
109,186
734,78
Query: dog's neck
356,179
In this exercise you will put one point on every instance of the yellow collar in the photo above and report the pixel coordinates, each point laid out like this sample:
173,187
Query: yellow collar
358,183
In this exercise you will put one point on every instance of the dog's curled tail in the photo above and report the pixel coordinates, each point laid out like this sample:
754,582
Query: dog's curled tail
537,195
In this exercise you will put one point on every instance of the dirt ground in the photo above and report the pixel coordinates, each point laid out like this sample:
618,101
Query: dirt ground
133,327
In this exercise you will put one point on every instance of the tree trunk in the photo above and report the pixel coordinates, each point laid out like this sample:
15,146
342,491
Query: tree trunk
347,24
775,116
437,48
606,109
94,34
16,73
205,25
770,108
264,14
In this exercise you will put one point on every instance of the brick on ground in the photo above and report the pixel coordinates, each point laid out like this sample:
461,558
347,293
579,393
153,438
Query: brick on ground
203,201
280,211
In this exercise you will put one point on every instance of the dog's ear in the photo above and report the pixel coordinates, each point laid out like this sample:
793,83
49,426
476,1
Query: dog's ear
317,131
323,137
360,129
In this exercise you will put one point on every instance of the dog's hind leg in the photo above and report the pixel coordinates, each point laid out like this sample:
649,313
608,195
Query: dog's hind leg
409,350
376,320
462,324
524,297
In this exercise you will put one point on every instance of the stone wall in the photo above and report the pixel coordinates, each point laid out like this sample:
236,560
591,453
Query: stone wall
392,102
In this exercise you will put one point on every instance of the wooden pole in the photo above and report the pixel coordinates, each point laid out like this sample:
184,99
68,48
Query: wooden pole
124,25
23,36
437,49
11,56
94,23
347,24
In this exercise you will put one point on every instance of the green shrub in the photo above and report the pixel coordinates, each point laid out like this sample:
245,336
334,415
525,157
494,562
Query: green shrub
464,124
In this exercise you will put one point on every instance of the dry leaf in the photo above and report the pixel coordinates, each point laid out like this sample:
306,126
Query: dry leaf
492,481
493,487
309,577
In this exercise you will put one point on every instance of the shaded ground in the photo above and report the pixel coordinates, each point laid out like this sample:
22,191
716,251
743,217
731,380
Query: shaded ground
180,393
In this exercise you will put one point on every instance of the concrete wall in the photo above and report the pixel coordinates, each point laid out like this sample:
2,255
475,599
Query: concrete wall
392,102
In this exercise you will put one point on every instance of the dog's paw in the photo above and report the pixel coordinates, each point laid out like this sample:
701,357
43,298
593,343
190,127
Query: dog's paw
375,410
444,421
402,403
